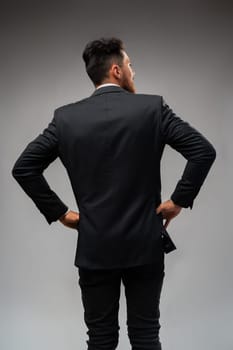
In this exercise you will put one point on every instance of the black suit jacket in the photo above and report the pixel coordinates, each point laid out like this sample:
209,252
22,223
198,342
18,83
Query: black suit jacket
111,144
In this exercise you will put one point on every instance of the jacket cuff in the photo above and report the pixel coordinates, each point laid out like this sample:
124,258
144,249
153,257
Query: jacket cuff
59,212
181,202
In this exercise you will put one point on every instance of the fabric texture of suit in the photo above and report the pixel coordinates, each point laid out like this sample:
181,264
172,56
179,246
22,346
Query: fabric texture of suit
111,144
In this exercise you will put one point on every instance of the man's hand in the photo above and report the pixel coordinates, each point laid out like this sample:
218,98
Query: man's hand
70,219
169,210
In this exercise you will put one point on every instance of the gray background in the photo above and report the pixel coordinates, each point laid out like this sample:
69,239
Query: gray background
181,50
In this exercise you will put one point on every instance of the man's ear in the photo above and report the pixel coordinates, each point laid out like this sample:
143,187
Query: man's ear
116,71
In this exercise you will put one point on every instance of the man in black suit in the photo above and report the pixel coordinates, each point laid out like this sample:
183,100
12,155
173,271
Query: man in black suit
111,144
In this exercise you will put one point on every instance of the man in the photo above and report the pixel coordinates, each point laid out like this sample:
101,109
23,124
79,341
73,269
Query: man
111,144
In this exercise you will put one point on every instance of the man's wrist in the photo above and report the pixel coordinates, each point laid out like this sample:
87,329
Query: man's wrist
62,217
176,203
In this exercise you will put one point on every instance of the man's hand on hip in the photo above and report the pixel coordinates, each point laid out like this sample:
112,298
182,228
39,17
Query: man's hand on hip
70,219
169,210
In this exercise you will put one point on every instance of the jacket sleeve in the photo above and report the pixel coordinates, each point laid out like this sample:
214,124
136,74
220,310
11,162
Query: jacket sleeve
194,147
28,172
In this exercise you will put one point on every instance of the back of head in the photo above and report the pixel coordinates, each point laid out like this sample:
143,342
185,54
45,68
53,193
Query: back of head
99,55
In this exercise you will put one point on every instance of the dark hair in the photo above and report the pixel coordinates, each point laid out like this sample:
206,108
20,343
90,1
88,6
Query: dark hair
99,55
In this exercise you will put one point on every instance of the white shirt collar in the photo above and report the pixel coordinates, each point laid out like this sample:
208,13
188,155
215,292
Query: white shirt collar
106,84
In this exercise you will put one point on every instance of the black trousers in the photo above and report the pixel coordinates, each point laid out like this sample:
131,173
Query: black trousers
100,291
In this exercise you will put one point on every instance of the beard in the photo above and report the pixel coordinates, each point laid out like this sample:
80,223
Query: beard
128,85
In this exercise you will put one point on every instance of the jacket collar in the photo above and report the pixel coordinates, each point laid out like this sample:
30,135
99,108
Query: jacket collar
109,88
